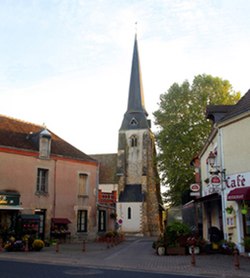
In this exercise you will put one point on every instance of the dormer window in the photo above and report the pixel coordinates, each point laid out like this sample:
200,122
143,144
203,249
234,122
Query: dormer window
44,144
133,122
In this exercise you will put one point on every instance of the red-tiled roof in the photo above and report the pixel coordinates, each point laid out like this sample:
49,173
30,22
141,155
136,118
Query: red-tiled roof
18,134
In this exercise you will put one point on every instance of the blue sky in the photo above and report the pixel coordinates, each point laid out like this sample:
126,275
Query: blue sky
66,63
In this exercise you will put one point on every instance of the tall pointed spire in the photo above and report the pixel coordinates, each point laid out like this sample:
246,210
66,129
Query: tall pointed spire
136,114
136,94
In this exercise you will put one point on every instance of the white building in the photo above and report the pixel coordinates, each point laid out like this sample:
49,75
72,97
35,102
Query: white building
226,181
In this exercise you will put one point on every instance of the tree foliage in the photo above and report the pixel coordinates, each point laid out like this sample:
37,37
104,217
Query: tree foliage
183,128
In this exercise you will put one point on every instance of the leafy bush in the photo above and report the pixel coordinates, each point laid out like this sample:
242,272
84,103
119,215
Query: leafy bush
176,233
37,244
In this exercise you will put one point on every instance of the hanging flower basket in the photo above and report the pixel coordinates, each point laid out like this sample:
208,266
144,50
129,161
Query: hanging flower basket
229,210
244,209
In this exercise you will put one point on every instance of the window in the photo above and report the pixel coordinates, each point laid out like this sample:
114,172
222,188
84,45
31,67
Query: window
42,180
82,219
82,188
129,213
102,221
133,141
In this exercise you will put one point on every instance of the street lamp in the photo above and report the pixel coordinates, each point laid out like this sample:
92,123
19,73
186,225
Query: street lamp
211,161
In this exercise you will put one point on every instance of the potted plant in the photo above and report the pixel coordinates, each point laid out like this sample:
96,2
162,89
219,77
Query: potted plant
160,246
244,208
37,245
176,234
229,209
227,247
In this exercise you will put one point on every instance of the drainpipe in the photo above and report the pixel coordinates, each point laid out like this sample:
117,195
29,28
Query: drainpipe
97,191
223,176
54,198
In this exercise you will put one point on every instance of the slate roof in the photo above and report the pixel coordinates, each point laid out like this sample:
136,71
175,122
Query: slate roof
19,134
108,168
132,193
136,111
220,113
242,106
217,112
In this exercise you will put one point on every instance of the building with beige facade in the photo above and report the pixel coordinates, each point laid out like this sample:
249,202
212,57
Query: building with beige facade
225,172
46,185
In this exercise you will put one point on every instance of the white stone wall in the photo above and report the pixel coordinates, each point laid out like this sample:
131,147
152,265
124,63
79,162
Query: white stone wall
135,157
108,188
133,225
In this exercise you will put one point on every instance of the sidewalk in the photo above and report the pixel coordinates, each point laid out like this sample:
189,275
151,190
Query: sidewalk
133,254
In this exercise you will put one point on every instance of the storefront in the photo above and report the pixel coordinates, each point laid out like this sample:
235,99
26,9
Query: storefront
211,214
9,212
238,209
60,229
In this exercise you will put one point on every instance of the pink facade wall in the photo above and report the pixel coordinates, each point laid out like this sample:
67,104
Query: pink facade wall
19,172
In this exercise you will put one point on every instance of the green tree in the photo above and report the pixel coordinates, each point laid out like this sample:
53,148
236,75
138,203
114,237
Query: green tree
183,128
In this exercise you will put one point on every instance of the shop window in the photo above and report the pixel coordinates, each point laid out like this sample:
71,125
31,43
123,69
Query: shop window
82,219
129,213
60,229
42,180
83,185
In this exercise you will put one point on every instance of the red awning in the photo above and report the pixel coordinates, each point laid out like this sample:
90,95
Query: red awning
238,194
60,220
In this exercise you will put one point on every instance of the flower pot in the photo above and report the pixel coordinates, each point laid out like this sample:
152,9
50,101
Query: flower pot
161,251
176,250
215,246
244,211
196,250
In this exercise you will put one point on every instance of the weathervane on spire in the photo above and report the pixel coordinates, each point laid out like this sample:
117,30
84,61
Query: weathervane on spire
136,27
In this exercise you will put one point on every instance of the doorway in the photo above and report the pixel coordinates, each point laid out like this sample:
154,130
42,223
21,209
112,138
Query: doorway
42,215
102,221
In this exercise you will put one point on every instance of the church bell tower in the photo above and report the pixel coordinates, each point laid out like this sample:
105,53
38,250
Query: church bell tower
139,203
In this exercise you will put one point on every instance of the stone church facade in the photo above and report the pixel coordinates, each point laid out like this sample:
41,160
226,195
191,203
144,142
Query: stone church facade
139,206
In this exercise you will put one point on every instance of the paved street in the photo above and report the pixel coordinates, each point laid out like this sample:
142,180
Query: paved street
11,269
133,254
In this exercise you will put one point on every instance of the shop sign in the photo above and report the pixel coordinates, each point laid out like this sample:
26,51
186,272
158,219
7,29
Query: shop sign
195,187
9,200
215,180
236,181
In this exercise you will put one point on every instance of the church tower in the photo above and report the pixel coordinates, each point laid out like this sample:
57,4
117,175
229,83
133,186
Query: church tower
138,207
